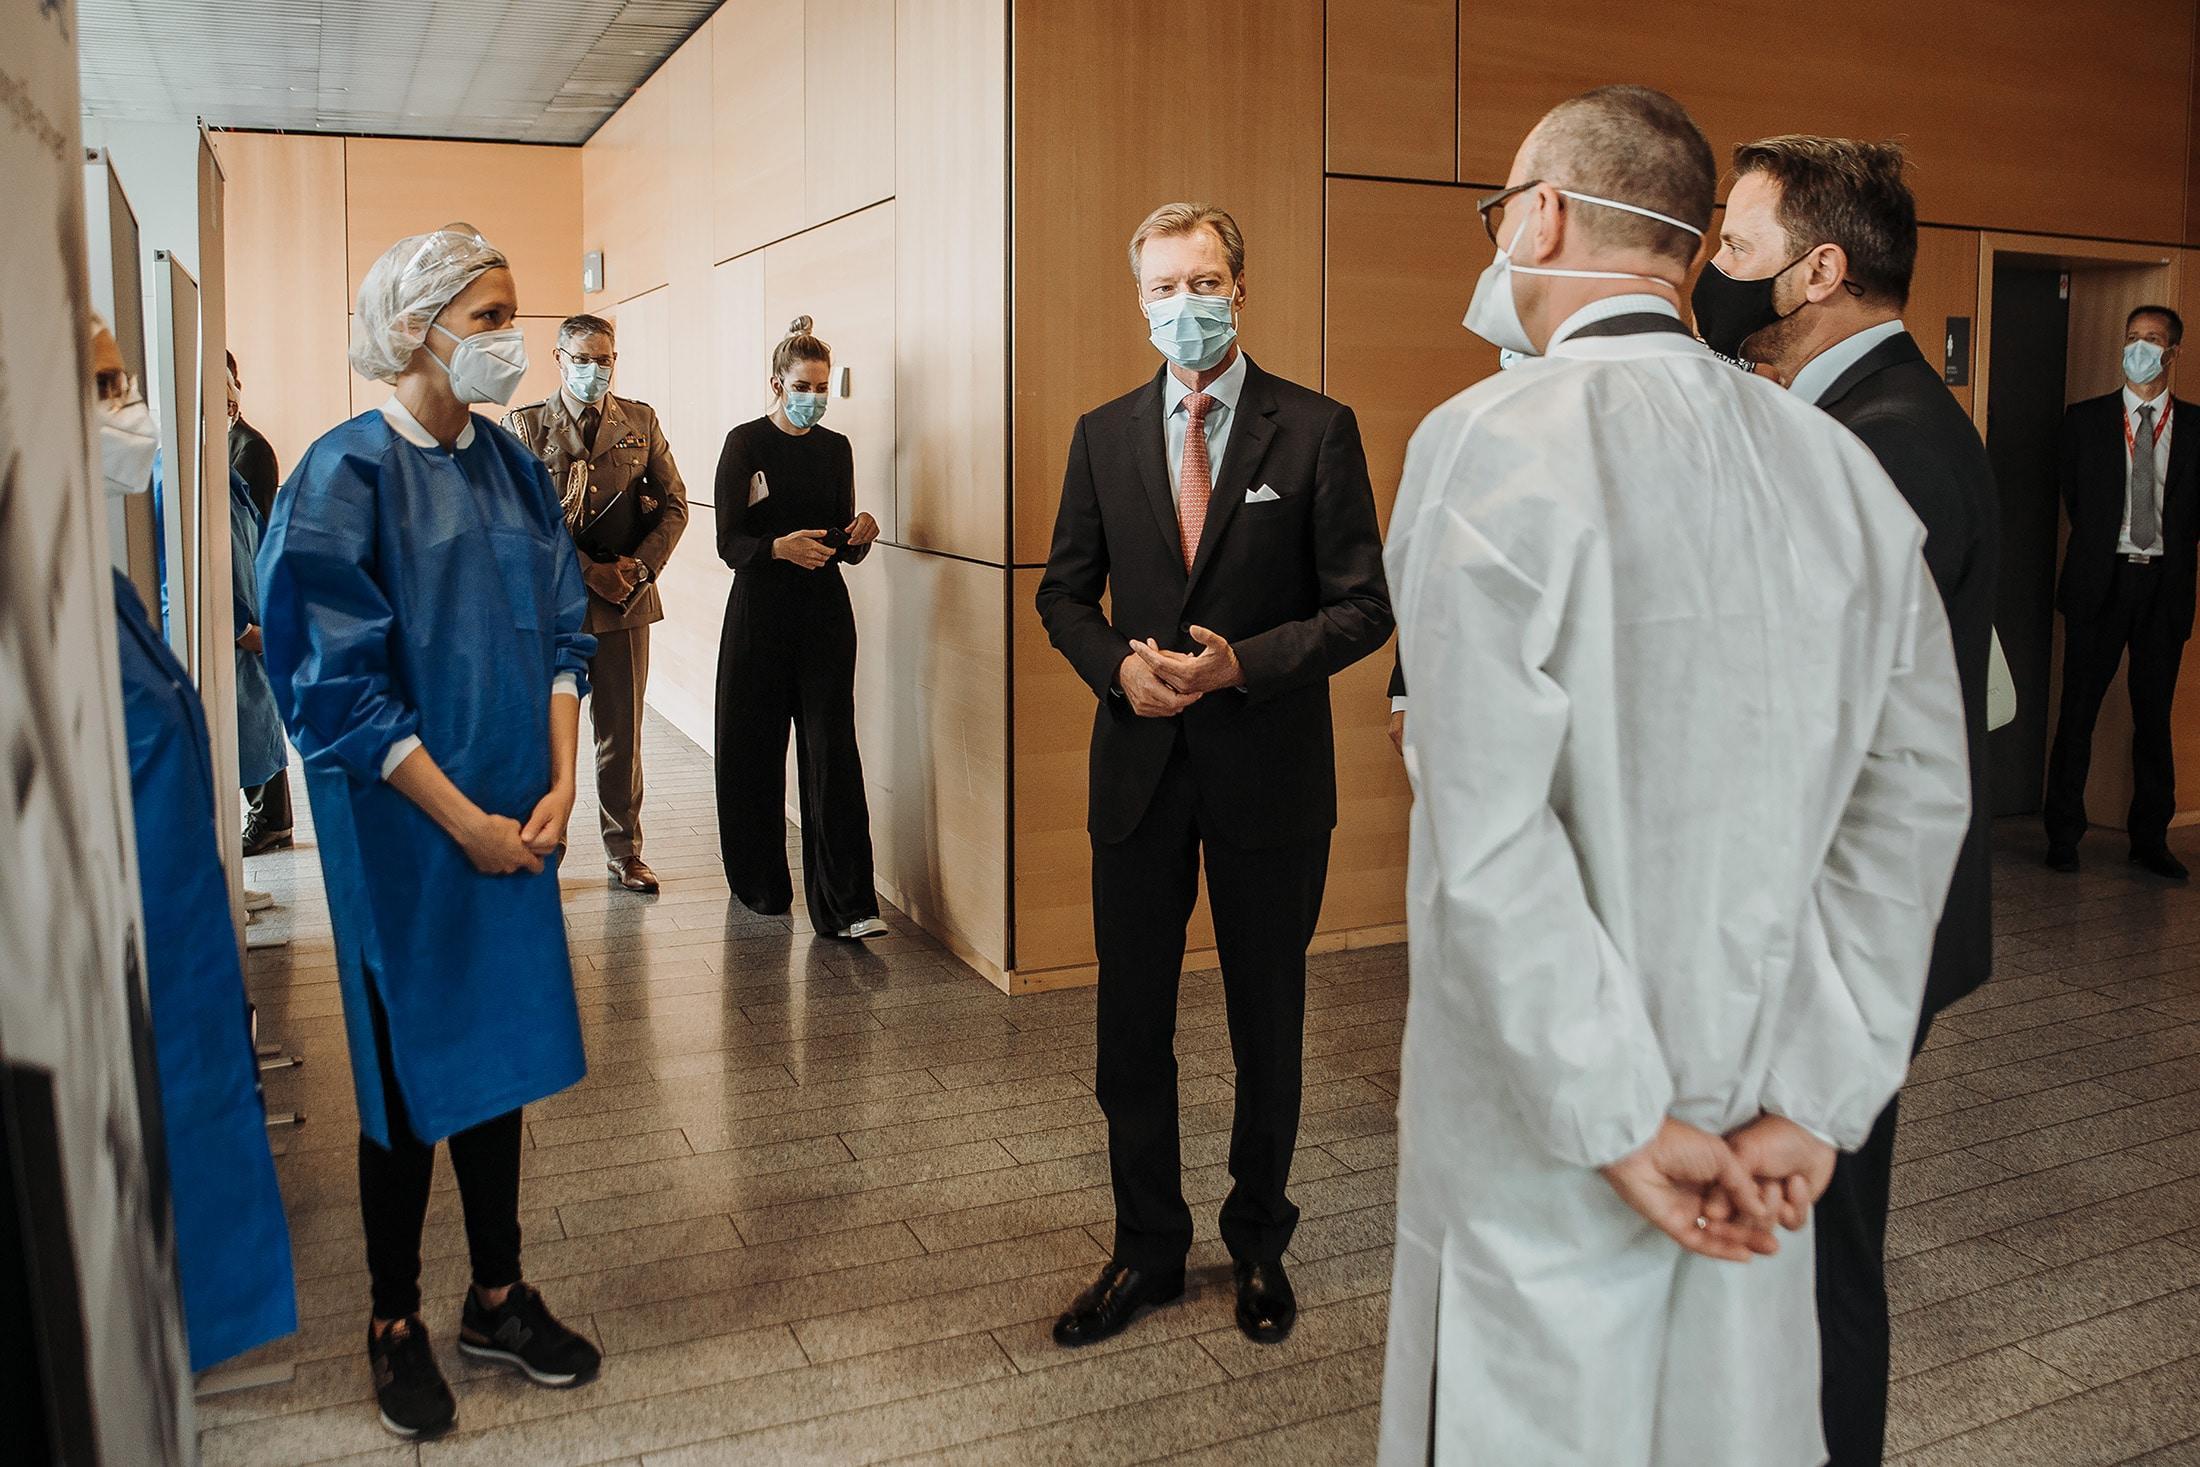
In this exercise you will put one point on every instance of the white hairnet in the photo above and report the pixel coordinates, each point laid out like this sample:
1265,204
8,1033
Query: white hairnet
415,278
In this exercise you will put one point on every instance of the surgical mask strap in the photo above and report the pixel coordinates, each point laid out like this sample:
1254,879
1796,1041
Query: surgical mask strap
1553,272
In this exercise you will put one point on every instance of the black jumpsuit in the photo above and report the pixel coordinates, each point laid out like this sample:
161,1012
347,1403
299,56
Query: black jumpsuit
788,655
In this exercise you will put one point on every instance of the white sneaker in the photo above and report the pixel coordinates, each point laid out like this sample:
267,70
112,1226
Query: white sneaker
868,927
258,935
258,901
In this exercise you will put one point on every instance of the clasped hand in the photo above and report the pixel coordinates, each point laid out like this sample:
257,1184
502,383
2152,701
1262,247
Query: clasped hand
1162,684
613,580
1722,1196
498,845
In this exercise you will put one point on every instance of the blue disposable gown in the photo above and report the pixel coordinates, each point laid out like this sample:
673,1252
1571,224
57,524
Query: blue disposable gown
232,1245
431,592
260,751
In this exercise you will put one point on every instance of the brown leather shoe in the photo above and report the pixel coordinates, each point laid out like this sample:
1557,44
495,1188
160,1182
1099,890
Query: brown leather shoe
633,873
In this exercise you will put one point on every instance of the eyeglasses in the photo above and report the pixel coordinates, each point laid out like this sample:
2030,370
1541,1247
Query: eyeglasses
1492,208
586,360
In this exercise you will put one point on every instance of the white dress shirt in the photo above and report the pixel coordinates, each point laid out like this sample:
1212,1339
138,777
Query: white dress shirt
409,428
1825,369
2163,433
1175,418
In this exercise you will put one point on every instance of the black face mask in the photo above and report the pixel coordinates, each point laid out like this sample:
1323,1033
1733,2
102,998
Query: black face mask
1729,311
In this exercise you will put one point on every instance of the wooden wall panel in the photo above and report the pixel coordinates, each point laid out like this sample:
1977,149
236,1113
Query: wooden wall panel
951,278
842,275
1101,139
688,406
626,203
1393,85
1945,284
2014,137
757,123
932,721
744,339
525,200
289,302
848,104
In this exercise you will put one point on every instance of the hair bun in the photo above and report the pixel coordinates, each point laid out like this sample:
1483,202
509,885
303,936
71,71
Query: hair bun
800,326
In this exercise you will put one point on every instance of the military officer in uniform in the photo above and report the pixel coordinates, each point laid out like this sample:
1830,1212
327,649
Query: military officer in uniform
626,508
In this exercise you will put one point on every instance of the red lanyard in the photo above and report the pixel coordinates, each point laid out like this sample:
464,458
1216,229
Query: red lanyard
2159,428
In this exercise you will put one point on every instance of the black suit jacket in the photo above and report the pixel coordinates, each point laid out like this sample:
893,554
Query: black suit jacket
1894,401
2095,477
1295,583
251,455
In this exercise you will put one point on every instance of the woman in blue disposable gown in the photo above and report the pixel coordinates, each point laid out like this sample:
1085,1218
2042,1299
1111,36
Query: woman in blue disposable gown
422,608
232,1244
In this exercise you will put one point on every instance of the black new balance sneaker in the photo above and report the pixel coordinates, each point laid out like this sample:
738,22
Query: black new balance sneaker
408,1386
522,1333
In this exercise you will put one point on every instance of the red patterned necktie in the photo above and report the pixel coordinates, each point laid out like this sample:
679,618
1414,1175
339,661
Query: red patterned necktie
1194,479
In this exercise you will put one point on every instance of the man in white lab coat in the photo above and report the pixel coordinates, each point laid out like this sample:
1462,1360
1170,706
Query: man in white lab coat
1688,754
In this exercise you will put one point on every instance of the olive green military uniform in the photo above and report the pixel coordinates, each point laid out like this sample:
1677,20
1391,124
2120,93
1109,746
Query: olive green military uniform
623,498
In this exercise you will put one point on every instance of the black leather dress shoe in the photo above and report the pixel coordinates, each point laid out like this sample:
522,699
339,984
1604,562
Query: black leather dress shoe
1266,1307
2158,860
1106,1309
2062,858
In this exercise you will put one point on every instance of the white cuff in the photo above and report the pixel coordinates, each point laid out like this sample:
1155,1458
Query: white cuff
1398,704
399,753
568,684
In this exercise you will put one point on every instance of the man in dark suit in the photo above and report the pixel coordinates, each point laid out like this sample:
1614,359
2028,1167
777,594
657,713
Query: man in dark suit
1813,270
268,819
1227,514
2129,485
250,454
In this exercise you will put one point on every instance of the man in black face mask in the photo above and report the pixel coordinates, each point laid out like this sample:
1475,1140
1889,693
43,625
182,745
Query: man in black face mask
1810,279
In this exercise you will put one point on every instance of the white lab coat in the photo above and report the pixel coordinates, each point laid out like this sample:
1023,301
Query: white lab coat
1688,757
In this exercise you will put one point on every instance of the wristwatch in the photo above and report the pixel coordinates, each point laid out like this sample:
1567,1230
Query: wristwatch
642,577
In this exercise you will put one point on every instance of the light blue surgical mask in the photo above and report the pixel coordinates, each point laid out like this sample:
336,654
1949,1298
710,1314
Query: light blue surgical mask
588,381
805,408
2142,362
1193,331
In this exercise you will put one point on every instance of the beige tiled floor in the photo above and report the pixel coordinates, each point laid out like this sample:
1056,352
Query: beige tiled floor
820,1203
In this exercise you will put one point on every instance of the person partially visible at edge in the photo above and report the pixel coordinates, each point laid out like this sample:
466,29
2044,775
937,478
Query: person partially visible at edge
232,1242
1810,278
268,819
2129,472
1683,822
626,509
423,622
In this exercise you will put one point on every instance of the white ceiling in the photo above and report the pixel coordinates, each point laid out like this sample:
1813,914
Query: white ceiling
536,71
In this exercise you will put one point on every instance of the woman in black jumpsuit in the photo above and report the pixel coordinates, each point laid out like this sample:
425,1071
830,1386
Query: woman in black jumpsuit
787,523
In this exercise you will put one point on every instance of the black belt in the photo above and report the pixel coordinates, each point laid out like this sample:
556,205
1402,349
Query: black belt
1635,323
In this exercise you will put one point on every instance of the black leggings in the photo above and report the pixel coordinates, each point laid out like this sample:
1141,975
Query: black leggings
393,1194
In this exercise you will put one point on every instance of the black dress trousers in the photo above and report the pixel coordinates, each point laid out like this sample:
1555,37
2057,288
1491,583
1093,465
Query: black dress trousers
2133,619
787,658
1265,904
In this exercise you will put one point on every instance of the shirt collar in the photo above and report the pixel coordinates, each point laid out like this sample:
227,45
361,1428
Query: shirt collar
2133,402
1823,370
408,427
1610,306
1224,389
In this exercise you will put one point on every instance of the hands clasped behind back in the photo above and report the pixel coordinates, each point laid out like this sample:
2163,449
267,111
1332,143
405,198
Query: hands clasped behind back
1722,1196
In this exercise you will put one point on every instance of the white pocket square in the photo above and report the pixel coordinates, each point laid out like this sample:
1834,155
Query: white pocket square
1263,495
